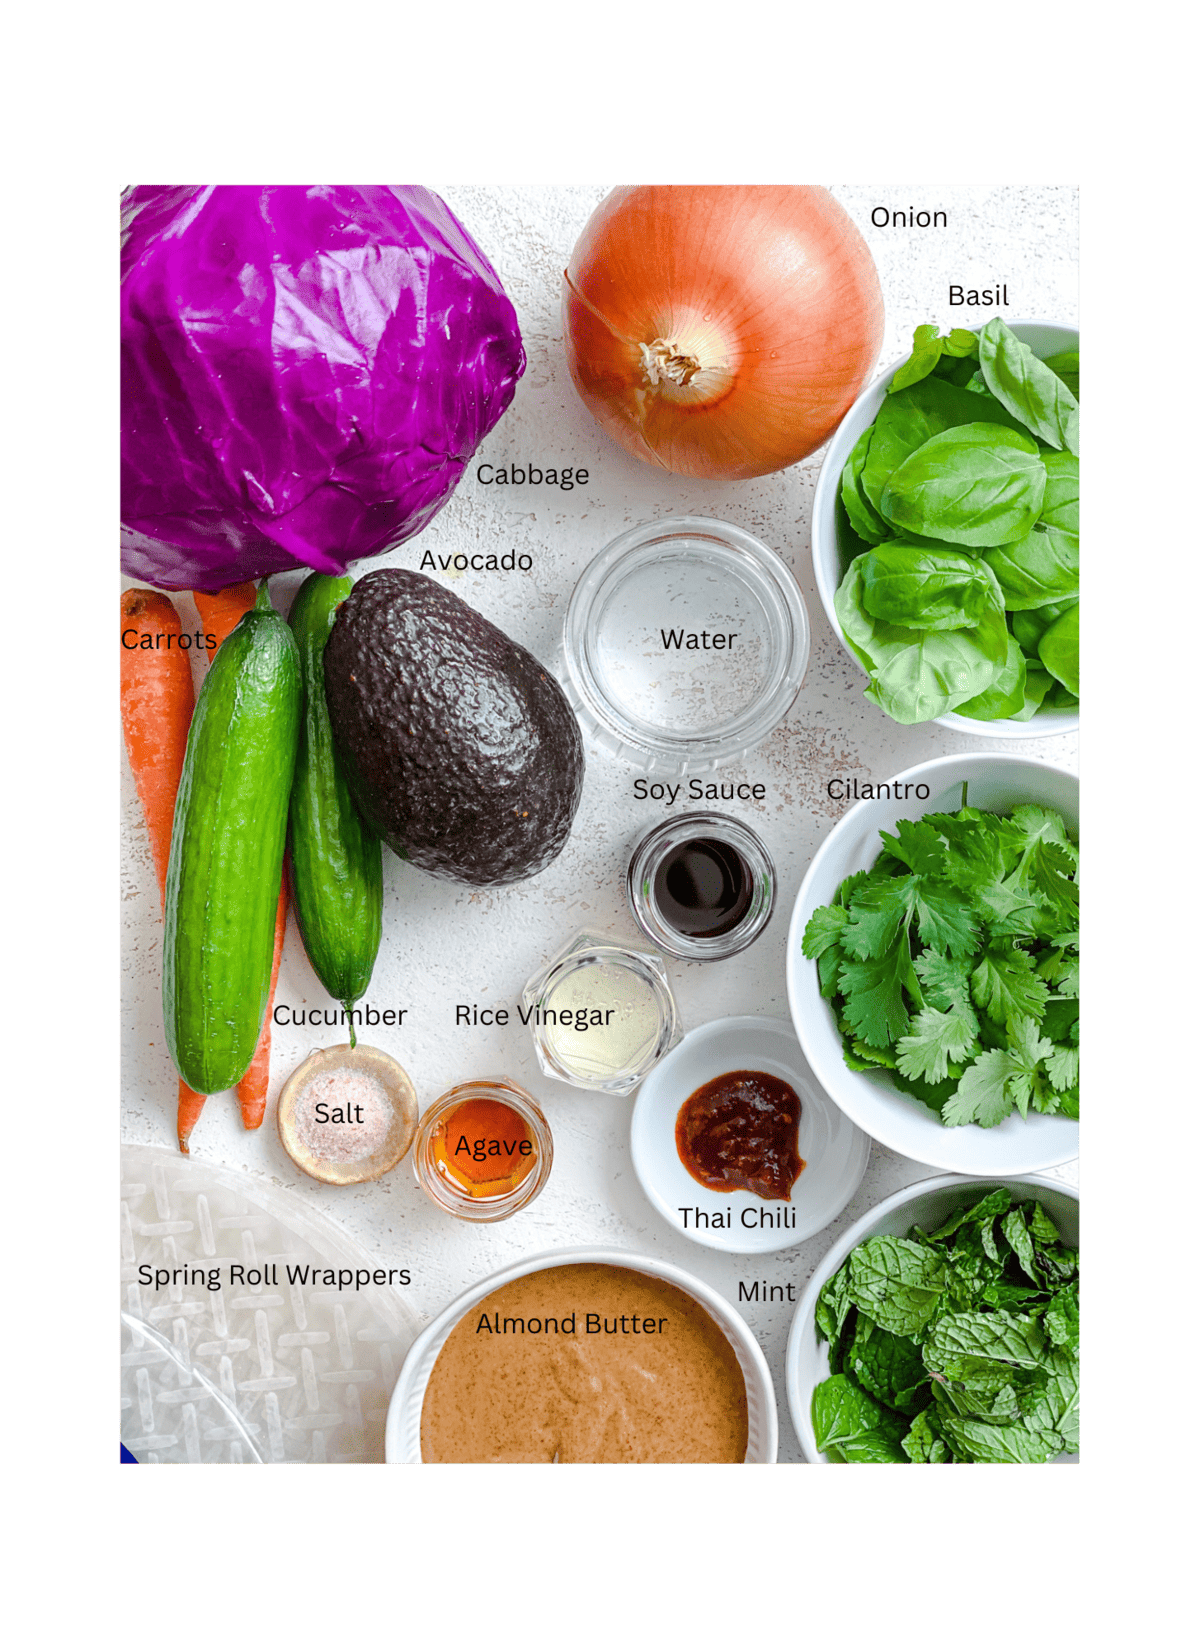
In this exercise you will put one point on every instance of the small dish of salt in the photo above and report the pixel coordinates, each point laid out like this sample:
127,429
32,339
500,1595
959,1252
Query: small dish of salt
347,1115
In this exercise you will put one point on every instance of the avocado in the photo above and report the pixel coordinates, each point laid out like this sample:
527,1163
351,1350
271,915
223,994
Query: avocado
458,746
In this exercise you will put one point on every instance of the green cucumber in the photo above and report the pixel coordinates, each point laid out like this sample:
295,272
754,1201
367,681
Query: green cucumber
227,845
337,860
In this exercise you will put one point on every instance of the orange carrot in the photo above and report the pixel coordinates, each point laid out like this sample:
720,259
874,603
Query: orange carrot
219,613
156,712
187,1114
252,1089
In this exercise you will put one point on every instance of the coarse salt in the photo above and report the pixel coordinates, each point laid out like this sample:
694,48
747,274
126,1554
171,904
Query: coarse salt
349,1093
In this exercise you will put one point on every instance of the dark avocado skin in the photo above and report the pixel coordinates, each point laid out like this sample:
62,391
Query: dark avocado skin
458,746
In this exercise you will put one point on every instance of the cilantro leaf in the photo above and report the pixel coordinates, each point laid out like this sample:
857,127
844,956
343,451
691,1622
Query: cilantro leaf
879,914
874,996
824,928
1062,1067
1004,984
919,846
934,1039
981,1095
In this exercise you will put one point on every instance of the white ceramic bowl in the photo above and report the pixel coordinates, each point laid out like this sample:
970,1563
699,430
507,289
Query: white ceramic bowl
402,1439
829,564
997,782
834,1151
927,1204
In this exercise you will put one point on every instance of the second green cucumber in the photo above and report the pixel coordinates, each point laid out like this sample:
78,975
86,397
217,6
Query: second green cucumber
337,868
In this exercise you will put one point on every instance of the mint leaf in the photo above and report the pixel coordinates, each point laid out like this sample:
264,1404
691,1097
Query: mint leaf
996,1202
834,1305
841,1411
1021,1243
897,1283
1041,1227
987,1442
1061,1320
889,1366
990,1335
922,1445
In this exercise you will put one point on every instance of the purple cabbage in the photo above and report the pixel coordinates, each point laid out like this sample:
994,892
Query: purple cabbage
305,374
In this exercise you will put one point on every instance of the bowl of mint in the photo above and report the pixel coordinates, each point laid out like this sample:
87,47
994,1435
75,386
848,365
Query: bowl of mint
933,964
946,531
943,1328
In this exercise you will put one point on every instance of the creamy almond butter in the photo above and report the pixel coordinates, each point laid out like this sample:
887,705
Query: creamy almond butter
585,1363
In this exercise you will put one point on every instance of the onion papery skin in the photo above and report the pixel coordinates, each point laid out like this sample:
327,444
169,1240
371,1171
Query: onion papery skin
771,301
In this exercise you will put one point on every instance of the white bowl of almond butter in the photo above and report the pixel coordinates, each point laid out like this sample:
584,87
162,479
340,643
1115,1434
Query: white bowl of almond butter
587,1355
347,1115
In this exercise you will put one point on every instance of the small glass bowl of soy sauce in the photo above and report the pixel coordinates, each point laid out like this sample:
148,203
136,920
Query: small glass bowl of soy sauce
701,887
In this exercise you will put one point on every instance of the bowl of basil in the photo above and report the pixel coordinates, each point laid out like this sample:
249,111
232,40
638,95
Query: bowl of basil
946,531
943,1327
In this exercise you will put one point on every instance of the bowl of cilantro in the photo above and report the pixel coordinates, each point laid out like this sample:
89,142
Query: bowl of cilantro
945,531
944,1327
933,964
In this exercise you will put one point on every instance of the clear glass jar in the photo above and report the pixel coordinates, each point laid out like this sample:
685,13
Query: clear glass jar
729,929
600,1014
686,642
434,1150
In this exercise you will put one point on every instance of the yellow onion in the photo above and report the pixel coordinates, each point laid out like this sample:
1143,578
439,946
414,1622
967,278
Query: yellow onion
721,331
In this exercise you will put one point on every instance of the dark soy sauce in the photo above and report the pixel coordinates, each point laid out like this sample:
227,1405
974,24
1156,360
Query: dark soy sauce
703,888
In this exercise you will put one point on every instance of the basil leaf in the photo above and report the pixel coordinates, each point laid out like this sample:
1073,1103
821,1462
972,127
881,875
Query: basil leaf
926,353
1039,568
1030,626
1066,367
962,343
1028,387
865,520
938,670
907,420
1060,501
1037,685
1006,696
926,589
1059,649
979,484
951,357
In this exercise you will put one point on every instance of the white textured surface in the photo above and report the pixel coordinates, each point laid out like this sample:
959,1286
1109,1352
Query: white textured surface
445,944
